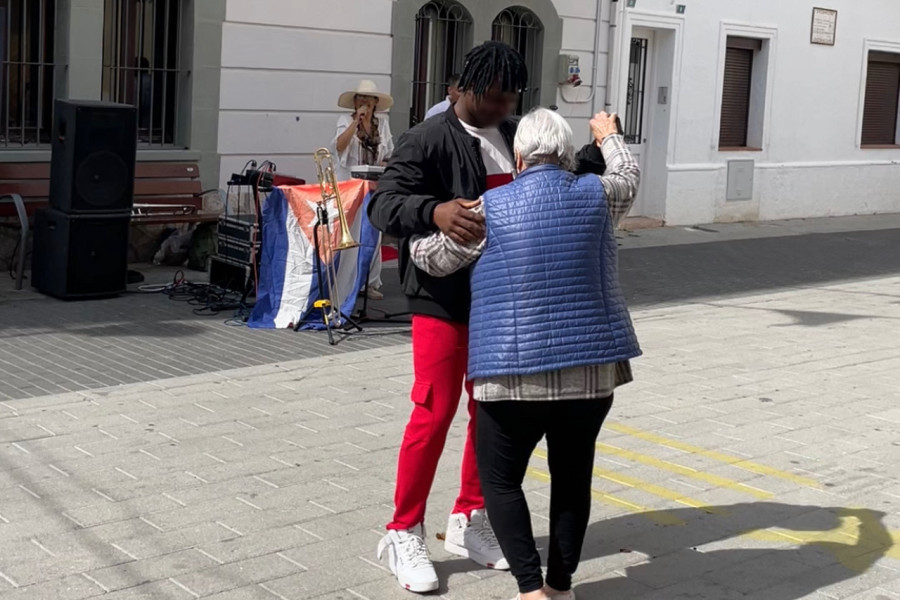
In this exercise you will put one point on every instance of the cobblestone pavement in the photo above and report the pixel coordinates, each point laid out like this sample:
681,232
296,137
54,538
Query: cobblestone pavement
756,456
49,347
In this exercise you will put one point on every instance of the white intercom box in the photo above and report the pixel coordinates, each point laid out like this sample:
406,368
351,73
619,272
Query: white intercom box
569,70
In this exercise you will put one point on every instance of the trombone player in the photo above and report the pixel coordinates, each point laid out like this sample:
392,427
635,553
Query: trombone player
363,137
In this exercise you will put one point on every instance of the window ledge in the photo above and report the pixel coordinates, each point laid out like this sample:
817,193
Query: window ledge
880,146
739,149
25,155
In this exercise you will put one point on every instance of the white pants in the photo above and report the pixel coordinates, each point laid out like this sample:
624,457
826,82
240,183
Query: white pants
375,267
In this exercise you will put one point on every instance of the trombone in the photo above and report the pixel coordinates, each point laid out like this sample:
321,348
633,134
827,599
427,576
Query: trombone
326,249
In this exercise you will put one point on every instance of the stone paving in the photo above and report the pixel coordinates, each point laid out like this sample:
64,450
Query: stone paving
756,456
49,347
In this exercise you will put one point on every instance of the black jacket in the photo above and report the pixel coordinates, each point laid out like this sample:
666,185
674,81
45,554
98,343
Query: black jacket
434,162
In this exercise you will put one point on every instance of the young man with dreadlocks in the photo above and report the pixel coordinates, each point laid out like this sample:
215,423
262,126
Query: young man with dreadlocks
437,170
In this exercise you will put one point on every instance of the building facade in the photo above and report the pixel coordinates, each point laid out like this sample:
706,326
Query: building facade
738,110
763,110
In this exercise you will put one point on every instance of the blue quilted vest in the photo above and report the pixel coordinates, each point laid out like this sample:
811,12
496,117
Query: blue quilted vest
545,293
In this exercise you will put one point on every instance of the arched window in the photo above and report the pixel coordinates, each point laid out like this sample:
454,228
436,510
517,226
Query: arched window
521,29
443,36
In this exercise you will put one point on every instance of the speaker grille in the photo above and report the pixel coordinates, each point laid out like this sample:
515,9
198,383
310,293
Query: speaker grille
94,149
80,256
101,180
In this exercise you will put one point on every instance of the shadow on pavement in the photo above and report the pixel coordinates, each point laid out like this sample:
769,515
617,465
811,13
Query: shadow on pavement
830,545
804,318
825,552
673,274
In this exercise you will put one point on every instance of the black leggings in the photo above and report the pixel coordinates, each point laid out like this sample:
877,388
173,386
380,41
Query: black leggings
508,433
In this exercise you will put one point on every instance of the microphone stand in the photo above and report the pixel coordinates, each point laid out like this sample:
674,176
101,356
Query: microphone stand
346,324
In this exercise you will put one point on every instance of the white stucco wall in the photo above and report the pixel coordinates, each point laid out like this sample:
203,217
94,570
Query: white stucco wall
284,63
811,164
580,37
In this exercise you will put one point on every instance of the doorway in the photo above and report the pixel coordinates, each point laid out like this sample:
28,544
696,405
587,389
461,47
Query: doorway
646,97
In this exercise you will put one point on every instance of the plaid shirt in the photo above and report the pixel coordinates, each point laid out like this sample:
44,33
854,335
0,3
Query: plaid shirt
438,255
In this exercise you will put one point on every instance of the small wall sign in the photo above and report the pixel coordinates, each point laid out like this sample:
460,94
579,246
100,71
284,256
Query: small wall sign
824,26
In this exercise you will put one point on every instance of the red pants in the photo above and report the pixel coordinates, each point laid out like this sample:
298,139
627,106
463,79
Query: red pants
440,354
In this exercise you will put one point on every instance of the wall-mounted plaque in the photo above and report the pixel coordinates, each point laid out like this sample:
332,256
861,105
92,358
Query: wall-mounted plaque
824,26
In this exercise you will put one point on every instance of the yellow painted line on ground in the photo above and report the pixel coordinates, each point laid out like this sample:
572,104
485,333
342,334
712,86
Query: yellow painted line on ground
657,516
728,459
646,486
666,465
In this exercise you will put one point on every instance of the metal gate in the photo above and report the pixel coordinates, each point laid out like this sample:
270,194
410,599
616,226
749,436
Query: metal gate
521,29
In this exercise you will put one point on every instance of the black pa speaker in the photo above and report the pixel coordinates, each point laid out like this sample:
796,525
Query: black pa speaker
80,256
94,150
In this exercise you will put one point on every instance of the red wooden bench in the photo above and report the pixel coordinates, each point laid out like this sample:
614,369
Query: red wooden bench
164,192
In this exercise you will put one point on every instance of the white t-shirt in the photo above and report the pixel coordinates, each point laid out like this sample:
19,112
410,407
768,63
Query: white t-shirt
438,108
494,152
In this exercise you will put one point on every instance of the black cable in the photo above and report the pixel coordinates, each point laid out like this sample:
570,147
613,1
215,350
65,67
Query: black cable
206,298
244,168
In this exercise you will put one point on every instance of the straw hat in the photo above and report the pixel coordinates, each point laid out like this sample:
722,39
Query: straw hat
366,87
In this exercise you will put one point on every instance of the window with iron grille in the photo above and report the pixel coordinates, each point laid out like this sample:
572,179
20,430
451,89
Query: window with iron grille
443,37
143,65
636,98
521,29
27,72
737,87
882,100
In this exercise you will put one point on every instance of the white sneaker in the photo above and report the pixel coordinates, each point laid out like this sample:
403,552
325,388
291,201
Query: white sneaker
408,559
570,595
475,539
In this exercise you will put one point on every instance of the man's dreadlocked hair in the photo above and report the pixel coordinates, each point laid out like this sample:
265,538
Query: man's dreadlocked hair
490,63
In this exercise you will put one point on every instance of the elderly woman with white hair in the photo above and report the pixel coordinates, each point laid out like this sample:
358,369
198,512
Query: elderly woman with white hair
550,334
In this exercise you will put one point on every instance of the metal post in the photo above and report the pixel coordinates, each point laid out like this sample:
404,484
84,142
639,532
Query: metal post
7,66
178,58
140,54
165,83
152,60
23,62
40,71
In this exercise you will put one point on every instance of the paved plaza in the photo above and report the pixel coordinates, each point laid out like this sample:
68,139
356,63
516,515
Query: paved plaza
146,452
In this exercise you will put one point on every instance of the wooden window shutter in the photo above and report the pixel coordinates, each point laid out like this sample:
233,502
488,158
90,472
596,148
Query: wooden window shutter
736,97
882,103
